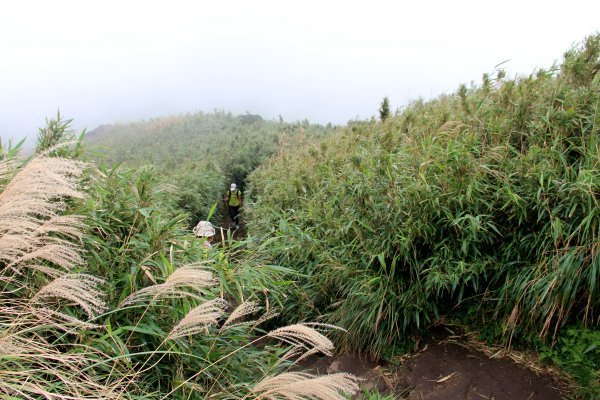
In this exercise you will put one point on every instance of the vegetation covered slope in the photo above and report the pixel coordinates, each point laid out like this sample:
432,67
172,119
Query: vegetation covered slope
104,297
201,154
483,203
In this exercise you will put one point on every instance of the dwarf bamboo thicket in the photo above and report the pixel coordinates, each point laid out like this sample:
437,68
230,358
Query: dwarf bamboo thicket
200,153
148,325
481,205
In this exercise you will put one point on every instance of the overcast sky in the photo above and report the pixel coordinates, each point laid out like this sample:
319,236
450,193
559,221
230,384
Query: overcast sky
106,61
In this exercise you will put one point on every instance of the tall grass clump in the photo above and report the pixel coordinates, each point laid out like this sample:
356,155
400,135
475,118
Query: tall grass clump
103,296
45,302
482,204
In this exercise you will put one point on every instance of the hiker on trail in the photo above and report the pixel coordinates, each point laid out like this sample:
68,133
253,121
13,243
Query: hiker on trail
205,230
233,199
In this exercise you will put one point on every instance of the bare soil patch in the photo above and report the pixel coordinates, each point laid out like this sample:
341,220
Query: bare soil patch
446,370
449,367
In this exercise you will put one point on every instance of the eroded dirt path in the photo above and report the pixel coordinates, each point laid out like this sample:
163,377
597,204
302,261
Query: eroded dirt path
446,370
448,367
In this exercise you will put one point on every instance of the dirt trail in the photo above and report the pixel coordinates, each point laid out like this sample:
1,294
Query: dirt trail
222,232
447,368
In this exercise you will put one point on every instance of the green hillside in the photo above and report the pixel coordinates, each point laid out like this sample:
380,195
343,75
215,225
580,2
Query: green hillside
200,154
481,206
477,210
105,295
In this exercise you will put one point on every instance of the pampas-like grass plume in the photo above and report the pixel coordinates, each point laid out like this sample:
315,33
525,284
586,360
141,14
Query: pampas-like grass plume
30,364
81,289
304,337
246,308
30,227
265,317
199,319
35,237
297,386
193,276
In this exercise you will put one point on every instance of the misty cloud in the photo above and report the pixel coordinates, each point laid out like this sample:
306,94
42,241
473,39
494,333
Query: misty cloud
118,61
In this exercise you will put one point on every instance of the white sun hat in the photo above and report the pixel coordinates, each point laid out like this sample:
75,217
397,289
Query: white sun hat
204,229
233,187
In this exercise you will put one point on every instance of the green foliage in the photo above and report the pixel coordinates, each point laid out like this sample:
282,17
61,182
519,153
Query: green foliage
199,153
8,151
375,395
582,65
58,131
126,223
198,189
144,246
135,245
484,201
384,109
154,327
578,353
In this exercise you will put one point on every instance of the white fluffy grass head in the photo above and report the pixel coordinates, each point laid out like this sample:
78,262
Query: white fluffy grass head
199,318
305,339
194,277
34,236
79,289
32,233
237,316
297,385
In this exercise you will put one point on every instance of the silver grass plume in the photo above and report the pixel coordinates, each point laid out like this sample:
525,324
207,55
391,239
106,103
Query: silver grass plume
193,276
270,314
305,339
81,289
31,230
244,309
34,236
298,385
39,362
199,318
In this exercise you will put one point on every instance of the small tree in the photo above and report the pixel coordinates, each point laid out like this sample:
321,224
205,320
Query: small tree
384,110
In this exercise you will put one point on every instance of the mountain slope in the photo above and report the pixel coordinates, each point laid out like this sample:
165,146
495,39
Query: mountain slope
199,153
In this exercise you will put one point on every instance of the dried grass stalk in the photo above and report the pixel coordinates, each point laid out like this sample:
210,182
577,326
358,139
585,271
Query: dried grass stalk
33,366
192,276
297,385
59,320
244,309
30,225
80,289
33,235
199,319
305,337
265,317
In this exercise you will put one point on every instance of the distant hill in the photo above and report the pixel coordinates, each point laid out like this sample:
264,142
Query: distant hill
221,138
200,152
